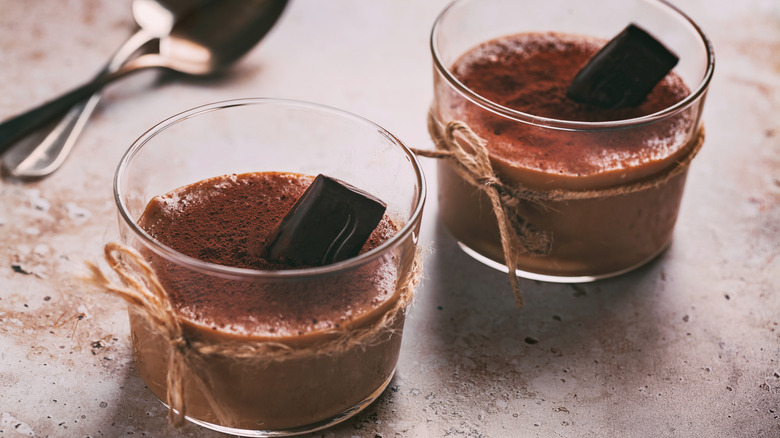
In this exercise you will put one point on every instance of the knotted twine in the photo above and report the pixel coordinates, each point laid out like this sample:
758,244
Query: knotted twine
140,287
469,157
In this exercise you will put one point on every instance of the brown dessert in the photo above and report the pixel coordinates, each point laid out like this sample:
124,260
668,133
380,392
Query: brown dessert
598,236
226,220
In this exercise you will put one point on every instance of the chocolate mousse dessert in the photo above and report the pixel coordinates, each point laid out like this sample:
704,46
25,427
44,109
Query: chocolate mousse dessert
307,348
604,226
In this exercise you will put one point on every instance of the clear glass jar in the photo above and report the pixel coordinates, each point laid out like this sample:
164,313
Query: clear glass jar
619,227
303,382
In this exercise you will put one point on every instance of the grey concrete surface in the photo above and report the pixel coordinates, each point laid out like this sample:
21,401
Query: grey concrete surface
688,346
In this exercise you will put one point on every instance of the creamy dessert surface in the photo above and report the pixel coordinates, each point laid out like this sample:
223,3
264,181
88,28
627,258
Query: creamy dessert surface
225,220
530,73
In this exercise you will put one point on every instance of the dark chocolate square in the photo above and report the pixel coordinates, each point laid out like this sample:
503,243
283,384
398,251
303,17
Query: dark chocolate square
330,222
624,71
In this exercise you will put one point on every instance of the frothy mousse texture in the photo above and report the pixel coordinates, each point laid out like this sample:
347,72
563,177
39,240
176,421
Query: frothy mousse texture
225,221
530,73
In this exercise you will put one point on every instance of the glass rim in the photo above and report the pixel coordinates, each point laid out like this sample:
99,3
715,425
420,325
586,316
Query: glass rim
253,274
573,125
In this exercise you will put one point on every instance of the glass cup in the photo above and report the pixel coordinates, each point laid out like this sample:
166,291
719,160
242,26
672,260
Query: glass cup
607,222
274,383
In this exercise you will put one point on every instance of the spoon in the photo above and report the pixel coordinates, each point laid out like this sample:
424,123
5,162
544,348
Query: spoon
203,42
39,154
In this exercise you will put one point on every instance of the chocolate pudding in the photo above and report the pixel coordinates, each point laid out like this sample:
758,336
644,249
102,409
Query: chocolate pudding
593,236
308,373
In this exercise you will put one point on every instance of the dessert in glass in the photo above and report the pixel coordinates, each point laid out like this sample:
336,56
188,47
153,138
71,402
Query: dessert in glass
595,191
233,339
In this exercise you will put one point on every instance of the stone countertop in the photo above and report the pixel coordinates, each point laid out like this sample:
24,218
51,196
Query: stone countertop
689,345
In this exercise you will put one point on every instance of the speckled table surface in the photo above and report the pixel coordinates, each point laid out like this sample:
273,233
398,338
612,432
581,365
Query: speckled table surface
689,345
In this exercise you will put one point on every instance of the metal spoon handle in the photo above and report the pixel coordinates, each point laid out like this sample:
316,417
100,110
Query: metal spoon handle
41,154
18,126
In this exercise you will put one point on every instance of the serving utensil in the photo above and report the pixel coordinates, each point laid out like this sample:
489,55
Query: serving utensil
201,41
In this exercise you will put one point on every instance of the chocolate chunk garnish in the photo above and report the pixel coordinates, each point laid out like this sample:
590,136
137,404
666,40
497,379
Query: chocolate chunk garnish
624,71
330,222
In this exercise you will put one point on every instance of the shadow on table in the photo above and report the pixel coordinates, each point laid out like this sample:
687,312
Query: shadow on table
474,302
569,343
467,348
138,412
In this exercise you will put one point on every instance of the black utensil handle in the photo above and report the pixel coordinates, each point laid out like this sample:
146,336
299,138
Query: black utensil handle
20,125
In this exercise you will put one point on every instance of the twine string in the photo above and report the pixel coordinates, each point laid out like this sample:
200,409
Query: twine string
140,287
468,154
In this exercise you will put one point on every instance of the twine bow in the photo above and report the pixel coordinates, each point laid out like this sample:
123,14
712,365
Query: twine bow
468,154
472,163
141,288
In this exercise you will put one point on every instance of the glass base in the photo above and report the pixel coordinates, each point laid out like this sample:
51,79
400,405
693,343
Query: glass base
329,422
557,278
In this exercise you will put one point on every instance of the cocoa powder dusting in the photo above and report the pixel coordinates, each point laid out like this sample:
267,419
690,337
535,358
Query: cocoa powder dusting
530,73
225,220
